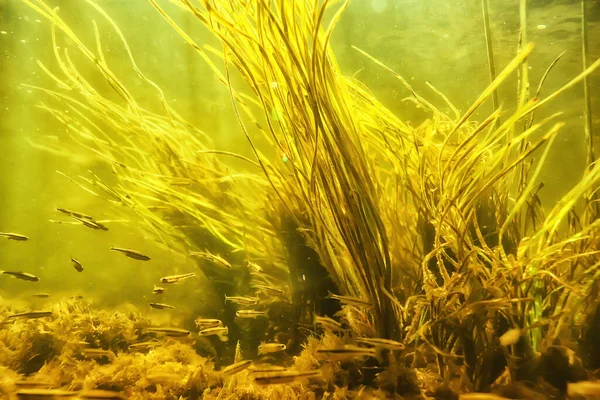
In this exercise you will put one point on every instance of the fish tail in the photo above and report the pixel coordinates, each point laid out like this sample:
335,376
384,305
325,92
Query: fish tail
330,295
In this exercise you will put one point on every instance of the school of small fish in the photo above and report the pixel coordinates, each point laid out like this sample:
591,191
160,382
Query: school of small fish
248,307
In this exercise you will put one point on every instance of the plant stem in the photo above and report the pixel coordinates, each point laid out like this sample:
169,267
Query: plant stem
490,51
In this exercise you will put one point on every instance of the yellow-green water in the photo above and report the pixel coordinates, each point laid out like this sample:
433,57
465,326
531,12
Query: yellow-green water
425,41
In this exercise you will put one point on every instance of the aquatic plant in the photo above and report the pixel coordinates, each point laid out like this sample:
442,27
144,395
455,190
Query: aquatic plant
437,228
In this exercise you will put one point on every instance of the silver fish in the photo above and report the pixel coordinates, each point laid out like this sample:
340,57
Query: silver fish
144,345
346,352
74,213
158,290
381,343
14,236
77,265
26,276
281,377
32,314
237,367
98,353
212,257
255,266
328,323
355,301
265,348
203,323
161,306
270,289
246,301
219,330
173,332
176,278
250,313
136,255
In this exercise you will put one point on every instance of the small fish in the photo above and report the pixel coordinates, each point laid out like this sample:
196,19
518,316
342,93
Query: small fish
280,377
144,345
246,301
14,236
32,314
255,266
328,323
268,370
77,265
41,295
26,276
97,394
585,390
511,337
346,352
38,393
270,289
98,353
101,226
176,278
212,257
161,306
173,332
81,343
203,323
381,343
131,253
90,224
481,396
237,367
354,301
220,330
74,213
30,383
265,348
158,290
163,377
250,313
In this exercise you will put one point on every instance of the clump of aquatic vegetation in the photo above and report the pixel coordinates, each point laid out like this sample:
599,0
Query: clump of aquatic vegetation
375,258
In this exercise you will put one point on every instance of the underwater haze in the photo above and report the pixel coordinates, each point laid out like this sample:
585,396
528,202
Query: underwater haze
302,199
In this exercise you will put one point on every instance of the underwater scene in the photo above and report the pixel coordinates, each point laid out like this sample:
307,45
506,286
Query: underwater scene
299,199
